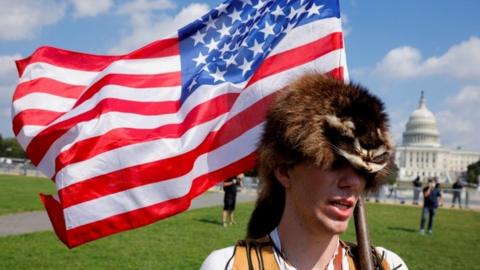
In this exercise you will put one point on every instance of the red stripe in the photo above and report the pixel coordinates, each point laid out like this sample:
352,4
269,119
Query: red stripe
297,56
336,73
147,215
33,117
42,142
90,62
121,137
132,80
55,213
48,86
164,169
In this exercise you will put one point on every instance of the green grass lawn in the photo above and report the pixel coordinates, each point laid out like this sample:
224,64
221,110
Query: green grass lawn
20,193
183,241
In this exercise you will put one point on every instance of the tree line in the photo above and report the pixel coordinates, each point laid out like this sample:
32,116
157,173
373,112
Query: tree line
9,147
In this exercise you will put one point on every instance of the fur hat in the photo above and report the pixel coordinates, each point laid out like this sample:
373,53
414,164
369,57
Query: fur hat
324,120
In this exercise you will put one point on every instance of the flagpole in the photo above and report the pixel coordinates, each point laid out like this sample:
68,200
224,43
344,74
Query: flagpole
363,242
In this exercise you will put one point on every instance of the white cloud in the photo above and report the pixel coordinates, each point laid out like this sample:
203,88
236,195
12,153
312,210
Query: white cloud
460,61
459,121
89,8
8,70
402,62
142,6
147,28
22,19
8,79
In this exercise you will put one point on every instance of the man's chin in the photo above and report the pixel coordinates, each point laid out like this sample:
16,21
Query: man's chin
338,227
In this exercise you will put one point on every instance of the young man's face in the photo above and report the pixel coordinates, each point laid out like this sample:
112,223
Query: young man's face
323,200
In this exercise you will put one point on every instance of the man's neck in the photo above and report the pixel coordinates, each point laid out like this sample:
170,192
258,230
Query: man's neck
304,249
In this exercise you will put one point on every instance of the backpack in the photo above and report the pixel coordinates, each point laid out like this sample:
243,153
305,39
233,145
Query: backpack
258,254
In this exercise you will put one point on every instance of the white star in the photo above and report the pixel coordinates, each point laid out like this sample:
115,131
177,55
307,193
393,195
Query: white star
314,9
258,6
230,61
224,31
257,47
222,8
278,12
213,45
248,2
210,23
200,59
268,30
236,15
218,75
293,13
197,38
224,49
246,66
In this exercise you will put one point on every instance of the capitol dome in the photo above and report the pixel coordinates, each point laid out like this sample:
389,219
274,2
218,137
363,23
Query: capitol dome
421,128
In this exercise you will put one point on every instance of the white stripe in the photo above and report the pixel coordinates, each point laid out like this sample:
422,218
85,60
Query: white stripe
66,75
129,155
25,135
42,101
153,94
77,77
307,33
151,194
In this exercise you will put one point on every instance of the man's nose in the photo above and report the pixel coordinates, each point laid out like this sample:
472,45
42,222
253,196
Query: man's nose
351,179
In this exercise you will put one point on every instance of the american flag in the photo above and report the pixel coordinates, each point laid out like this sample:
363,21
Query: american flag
132,139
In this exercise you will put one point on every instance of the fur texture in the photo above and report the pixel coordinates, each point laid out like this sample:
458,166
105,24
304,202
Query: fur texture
321,119
324,121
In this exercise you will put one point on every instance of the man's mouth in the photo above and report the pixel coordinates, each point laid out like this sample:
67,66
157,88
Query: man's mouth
342,205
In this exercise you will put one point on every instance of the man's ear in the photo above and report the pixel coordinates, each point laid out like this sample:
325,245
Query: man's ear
283,176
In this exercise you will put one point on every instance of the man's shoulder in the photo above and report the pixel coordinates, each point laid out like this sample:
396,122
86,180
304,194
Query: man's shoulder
218,259
393,260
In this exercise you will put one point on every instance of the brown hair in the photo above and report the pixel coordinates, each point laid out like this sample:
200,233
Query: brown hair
321,120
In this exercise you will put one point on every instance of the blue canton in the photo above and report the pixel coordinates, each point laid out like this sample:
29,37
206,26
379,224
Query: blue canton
230,42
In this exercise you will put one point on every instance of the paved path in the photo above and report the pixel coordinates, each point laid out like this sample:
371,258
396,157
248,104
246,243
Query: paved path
29,222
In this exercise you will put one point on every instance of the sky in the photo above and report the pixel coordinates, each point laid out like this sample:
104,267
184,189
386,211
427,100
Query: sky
395,48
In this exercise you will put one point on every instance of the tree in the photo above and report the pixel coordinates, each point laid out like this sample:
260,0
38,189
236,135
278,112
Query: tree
2,147
12,148
473,170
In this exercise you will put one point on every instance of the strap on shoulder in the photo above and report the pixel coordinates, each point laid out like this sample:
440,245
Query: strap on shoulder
351,251
254,254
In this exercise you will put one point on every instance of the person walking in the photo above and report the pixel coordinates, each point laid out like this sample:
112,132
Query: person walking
432,196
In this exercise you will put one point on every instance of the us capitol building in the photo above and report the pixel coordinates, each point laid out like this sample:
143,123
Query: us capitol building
422,155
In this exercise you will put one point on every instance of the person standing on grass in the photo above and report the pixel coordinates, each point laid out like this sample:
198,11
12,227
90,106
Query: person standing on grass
324,144
230,187
417,188
457,193
432,198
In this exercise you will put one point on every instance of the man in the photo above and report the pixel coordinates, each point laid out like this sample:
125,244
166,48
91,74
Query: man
431,197
417,187
230,187
457,193
324,143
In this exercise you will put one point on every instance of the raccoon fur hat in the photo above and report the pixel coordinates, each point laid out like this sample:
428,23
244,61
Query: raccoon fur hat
323,120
